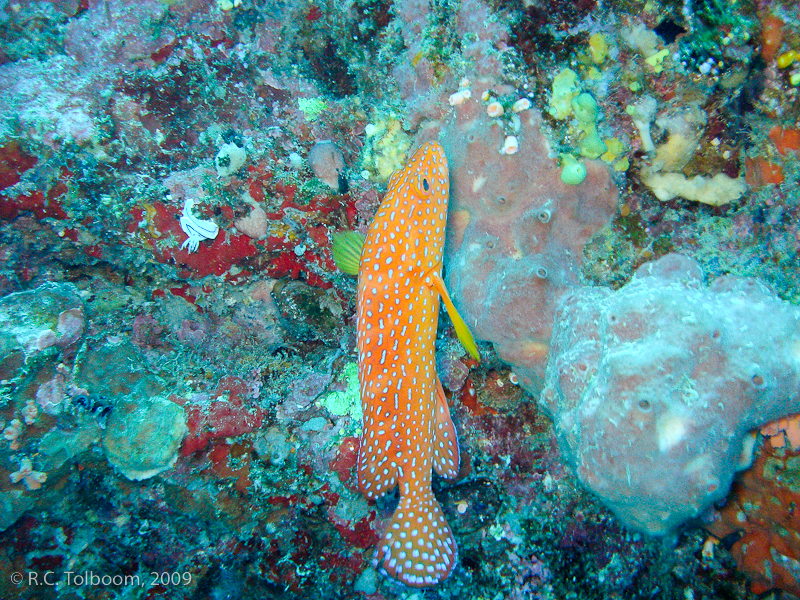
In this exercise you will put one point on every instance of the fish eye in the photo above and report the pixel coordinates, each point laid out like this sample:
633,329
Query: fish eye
425,185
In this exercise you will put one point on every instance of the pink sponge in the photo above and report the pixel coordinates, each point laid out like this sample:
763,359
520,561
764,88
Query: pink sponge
516,232
654,388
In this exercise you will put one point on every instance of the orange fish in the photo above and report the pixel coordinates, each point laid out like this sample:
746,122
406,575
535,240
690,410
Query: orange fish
407,426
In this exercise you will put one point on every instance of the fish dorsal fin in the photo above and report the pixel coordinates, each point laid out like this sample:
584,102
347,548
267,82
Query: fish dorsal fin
446,456
346,250
462,331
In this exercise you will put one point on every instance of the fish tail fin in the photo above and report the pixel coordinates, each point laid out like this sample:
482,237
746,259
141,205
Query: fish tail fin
418,547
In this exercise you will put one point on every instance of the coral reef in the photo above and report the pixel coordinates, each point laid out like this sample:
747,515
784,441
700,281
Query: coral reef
114,336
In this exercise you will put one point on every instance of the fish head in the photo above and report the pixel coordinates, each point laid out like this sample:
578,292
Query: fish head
420,193
426,174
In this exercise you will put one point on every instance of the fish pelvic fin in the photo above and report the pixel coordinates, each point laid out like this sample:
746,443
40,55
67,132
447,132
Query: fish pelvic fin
418,548
446,455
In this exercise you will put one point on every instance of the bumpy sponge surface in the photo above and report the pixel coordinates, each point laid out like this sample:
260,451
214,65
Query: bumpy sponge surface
653,388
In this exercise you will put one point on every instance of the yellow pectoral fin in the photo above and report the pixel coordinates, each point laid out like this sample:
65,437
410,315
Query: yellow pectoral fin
346,251
462,331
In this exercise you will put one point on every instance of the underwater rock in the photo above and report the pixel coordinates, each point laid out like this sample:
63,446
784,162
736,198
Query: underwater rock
273,446
255,225
228,411
143,436
470,506
115,368
34,320
327,162
13,505
58,447
307,313
654,388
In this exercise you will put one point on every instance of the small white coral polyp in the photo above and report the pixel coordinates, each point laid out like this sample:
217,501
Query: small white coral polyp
33,480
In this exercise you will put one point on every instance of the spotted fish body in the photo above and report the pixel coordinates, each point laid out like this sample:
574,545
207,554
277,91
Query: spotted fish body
407,425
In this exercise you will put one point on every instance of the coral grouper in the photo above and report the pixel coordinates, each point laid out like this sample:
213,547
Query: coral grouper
407,425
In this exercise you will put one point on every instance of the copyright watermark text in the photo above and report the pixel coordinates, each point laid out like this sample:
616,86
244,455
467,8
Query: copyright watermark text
92,579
